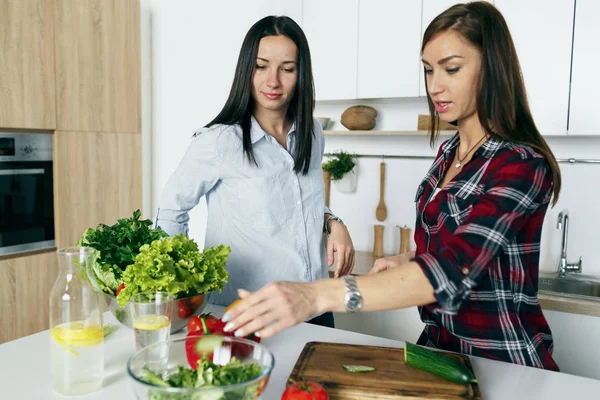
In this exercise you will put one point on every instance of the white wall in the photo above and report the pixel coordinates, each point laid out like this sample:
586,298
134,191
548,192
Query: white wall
189,60
403,176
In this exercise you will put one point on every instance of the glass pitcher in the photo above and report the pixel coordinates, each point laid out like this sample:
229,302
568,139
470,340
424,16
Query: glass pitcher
76,339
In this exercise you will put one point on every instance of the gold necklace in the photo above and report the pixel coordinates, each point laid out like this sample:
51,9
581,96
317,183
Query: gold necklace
460,160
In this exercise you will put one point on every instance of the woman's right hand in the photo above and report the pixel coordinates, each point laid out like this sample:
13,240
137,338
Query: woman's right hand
381,264
272,309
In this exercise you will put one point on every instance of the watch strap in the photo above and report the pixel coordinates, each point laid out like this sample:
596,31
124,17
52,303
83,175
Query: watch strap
329,219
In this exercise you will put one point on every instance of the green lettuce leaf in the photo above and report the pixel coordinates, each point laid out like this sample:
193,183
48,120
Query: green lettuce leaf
175,265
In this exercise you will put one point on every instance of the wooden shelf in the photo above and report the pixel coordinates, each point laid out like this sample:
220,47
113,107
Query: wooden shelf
384,133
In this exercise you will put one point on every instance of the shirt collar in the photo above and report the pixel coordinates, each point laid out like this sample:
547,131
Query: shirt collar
257,132
487,149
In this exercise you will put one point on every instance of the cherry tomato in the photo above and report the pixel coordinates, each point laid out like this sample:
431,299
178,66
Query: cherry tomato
184,310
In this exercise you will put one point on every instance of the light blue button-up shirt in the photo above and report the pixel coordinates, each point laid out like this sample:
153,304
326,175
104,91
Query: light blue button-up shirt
271,217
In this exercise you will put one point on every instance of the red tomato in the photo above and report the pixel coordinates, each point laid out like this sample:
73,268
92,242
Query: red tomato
194,324
184,310
215,325
305,391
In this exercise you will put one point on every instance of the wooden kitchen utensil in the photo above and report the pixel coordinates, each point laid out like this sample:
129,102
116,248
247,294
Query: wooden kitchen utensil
392,379
327,181
381,211
378,241
404,239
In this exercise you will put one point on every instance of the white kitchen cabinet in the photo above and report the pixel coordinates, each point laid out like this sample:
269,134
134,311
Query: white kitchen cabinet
543,37
431,9
331,28
584,87
389,34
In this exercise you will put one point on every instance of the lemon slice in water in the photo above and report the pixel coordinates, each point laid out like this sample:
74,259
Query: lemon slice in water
151,322
77,334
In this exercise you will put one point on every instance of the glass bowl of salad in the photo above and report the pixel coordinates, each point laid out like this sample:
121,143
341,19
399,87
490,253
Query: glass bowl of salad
200,367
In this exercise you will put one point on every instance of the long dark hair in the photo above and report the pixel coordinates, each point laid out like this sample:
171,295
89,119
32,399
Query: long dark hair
502,106
240,104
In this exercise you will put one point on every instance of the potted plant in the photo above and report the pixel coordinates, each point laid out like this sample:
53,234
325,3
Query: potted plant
342,170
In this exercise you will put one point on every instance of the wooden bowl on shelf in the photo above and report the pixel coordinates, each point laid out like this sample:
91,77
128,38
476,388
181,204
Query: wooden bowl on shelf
359,118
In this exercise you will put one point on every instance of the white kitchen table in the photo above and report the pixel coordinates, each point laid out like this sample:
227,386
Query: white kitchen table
25,373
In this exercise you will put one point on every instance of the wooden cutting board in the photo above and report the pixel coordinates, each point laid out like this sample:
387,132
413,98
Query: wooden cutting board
393,379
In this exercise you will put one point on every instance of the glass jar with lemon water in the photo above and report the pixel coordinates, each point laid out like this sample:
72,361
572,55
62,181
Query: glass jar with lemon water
76,338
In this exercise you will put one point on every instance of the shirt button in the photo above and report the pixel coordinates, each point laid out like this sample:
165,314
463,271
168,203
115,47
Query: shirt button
298,202
465,271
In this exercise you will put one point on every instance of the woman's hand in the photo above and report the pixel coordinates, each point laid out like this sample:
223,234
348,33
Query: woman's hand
381,264
275,307
340,242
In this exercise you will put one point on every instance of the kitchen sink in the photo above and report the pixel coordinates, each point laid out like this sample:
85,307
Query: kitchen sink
578,286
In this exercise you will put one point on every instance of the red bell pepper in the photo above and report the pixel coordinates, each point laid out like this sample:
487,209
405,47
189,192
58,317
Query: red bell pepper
209,325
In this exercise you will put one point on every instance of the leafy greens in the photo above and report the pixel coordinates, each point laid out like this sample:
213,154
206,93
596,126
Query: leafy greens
175,265
208,375
116,247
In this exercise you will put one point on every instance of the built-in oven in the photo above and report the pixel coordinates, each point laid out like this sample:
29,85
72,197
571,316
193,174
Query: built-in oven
26,192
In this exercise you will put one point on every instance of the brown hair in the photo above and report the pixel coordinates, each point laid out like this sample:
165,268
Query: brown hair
501,97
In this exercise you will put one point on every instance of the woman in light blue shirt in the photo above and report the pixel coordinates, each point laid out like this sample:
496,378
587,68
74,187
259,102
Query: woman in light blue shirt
259,165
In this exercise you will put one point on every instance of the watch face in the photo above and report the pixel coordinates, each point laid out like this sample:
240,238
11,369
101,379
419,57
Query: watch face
353,302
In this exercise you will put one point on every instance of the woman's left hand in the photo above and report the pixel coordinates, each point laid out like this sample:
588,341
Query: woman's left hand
275,307
339,242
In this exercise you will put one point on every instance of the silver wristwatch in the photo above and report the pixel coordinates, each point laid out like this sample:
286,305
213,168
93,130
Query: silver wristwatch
353,299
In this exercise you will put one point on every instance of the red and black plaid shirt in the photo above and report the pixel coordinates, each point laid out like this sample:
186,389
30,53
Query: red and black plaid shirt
478,243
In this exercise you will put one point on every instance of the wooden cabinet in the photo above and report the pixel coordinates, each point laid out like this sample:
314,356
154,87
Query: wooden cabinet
25,285
543,37
389,34
27,98
98,179
331,28
584,86
98,65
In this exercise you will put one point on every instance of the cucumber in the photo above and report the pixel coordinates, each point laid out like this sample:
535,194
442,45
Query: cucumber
358,368
207,344
438,364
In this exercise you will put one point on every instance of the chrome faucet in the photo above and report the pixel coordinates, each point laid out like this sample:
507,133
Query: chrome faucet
563,266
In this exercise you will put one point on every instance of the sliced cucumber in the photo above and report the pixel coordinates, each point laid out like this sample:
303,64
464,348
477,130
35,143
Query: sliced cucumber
358,368
438,364
207,344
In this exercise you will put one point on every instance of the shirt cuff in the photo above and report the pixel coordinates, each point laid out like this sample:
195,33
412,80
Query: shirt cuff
328,211
452,285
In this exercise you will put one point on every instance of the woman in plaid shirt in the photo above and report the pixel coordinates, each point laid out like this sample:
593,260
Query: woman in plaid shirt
480,211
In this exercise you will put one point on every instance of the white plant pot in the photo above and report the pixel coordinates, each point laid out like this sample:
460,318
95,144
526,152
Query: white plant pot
348,182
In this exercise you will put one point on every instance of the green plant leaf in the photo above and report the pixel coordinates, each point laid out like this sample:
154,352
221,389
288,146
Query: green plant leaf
339,165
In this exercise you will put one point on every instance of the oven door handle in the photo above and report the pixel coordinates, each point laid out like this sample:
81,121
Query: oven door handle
30,171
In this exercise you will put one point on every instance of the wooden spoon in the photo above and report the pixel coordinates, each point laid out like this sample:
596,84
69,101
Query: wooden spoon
381,211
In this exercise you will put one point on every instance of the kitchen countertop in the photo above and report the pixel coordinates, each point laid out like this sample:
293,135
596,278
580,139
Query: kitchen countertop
555,302
24,371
